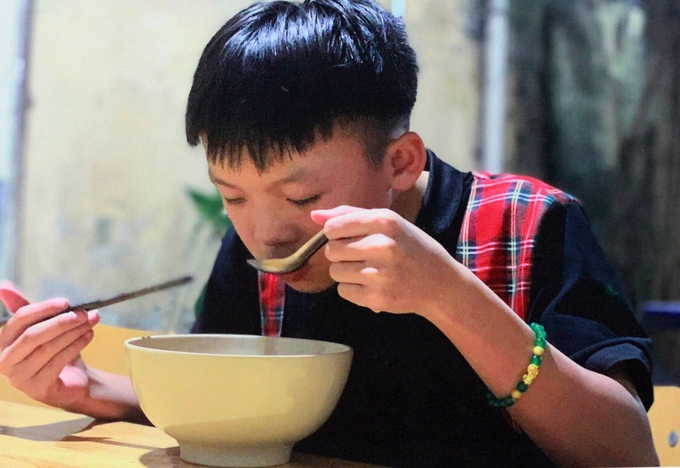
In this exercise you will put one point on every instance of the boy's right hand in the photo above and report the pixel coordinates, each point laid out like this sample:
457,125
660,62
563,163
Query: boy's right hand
40,349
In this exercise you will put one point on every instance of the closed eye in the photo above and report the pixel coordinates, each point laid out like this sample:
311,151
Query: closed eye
304,201
233,201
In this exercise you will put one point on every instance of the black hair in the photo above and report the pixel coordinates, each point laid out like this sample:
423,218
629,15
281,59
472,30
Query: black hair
280,74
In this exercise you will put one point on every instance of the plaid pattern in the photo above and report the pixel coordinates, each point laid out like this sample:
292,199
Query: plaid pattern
497,237
272,298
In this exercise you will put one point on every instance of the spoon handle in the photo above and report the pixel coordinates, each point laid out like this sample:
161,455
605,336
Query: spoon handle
314,244
130,295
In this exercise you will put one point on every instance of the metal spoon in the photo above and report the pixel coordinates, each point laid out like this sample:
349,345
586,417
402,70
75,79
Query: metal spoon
292,262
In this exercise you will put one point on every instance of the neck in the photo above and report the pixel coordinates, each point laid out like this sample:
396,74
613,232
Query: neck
408,203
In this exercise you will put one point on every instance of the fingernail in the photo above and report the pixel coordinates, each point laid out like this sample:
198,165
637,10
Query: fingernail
79,315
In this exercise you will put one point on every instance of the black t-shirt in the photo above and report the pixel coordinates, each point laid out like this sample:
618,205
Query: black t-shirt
411,399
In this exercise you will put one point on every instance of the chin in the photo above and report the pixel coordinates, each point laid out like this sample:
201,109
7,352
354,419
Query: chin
310,286
311,278
304,280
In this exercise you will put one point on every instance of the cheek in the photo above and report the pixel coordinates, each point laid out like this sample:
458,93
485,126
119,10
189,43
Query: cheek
373,188
362,192
243,223
371,196
242,227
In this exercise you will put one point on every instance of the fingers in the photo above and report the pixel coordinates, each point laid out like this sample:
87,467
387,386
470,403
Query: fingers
363,296
34,362
46,338
358,273
42,376
38,343
30,359
348,222
375,247
361,242
11,297
373,252
47,384
29,315
321,216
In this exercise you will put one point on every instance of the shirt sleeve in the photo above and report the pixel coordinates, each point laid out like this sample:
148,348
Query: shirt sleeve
231,303
575,295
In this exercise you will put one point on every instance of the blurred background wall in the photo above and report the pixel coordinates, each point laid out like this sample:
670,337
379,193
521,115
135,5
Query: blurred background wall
13,43
105,165
595,109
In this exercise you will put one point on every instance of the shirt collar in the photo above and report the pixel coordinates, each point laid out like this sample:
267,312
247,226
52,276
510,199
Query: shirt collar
442,196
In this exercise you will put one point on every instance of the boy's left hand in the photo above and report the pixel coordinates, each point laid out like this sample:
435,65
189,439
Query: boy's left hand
381,261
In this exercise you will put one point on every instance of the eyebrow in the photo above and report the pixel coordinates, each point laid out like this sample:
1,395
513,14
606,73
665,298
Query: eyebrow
298,174
217,181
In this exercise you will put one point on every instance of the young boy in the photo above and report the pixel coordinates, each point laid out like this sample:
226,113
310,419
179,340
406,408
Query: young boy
430,274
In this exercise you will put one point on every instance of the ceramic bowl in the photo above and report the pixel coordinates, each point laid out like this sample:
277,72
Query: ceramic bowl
237,400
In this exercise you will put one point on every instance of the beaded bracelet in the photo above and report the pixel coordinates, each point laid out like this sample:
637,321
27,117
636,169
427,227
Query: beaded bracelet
532,372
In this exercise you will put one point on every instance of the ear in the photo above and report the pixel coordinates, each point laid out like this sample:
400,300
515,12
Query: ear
406,158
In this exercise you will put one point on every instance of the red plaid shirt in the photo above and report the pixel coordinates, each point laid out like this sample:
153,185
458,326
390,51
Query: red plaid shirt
499,230
272,299
495,242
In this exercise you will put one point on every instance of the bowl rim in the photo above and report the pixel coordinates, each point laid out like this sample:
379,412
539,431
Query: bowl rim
130,344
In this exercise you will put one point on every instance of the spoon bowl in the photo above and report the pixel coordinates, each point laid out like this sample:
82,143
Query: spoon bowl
292,262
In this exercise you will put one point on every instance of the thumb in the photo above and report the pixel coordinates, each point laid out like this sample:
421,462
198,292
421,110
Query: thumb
11,297
321,216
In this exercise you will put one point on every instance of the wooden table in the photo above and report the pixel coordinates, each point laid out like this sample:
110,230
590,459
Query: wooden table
35,437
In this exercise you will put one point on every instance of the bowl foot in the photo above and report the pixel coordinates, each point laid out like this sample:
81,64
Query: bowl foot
243,456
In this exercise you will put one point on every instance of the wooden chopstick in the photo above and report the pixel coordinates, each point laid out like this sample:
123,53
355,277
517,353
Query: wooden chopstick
131,295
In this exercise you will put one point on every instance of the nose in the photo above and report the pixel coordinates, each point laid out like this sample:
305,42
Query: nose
276,235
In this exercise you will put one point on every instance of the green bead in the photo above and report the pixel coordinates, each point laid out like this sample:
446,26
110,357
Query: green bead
538,330
504,402
540,342
508,401
522,387
491,398
536,360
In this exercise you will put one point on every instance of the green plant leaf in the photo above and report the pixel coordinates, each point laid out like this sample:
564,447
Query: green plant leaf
210,209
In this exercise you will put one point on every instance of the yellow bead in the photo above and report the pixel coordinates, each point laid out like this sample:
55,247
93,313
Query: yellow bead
516,394
538,351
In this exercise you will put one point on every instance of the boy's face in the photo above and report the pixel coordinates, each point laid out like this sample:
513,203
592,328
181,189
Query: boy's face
270,210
